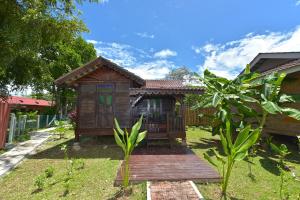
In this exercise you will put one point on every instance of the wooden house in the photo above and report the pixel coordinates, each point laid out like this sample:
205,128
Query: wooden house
289,63
106,91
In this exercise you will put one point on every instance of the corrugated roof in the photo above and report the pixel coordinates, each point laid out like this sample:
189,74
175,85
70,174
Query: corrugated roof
14,100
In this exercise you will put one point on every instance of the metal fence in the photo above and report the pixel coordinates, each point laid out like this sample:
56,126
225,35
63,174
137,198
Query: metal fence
22,124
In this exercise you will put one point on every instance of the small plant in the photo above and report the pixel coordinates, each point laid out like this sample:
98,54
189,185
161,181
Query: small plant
78,164
40,182
71,165
49,172
60,128
234,150
128,143
282,151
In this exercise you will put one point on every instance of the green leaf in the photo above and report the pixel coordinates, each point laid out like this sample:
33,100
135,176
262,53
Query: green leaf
209,159
218,156
275,148
249,141
118,127
286,98
216,99
247,98
119,141
141,136
291,112
241,155
242,136
271,107
224,144
280,79
228,133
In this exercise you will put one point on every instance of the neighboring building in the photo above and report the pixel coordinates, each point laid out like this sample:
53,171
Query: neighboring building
27,104
19,103
106,91
289,63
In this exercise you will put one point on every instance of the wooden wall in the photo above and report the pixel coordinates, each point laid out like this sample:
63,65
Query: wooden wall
102,95
192,117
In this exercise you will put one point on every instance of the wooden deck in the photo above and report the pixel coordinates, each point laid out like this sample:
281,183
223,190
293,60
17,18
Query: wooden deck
165,164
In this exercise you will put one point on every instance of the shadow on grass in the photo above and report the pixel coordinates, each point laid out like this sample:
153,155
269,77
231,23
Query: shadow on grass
121,193
206,144
90,147
36,191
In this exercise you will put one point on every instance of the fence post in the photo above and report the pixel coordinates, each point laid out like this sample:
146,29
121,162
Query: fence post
12,126
47,120
38,122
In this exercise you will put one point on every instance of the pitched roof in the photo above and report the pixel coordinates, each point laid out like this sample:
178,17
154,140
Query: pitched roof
165,87
14,100
285,67
164,84
77,73
267,61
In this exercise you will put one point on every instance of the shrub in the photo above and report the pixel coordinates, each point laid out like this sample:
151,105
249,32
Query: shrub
39,182
49,172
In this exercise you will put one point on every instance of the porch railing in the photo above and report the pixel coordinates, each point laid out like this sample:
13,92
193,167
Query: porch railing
168,123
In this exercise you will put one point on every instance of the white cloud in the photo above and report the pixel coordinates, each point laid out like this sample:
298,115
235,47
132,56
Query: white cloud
165,53
230,58
138,61
153,70
297,2
94,42
145,35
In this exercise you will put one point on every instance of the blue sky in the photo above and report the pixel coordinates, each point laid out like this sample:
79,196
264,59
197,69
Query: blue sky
152,37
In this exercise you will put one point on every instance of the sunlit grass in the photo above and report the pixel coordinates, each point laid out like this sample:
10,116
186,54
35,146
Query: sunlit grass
265,184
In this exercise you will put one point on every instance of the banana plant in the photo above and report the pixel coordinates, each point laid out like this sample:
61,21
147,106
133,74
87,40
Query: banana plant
234,151
225,95
128,142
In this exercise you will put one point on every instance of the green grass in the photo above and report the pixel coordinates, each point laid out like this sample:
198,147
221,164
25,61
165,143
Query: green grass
264,186
102,159
95,181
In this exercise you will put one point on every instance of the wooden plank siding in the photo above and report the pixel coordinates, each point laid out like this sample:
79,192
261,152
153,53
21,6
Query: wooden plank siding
94,118
192,117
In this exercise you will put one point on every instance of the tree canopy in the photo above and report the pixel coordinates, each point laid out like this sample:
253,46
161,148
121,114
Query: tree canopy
40,40
179,73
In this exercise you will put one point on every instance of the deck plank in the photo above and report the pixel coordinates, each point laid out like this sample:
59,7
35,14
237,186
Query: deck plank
164,164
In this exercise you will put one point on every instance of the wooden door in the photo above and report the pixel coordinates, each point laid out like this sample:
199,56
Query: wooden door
105,105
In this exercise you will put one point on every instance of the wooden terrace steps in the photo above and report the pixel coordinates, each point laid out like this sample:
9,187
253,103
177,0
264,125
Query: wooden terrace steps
168,164
158,139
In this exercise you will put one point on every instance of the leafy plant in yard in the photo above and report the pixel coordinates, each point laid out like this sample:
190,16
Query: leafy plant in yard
61,128
237,105
282,152
71,166
128,142
49,172
235,150
40,182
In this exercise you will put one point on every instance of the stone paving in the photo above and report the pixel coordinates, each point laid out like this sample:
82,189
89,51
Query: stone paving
13,157
181,190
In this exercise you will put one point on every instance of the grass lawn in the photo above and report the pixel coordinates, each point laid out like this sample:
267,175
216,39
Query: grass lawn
95,181
102,159
266,183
